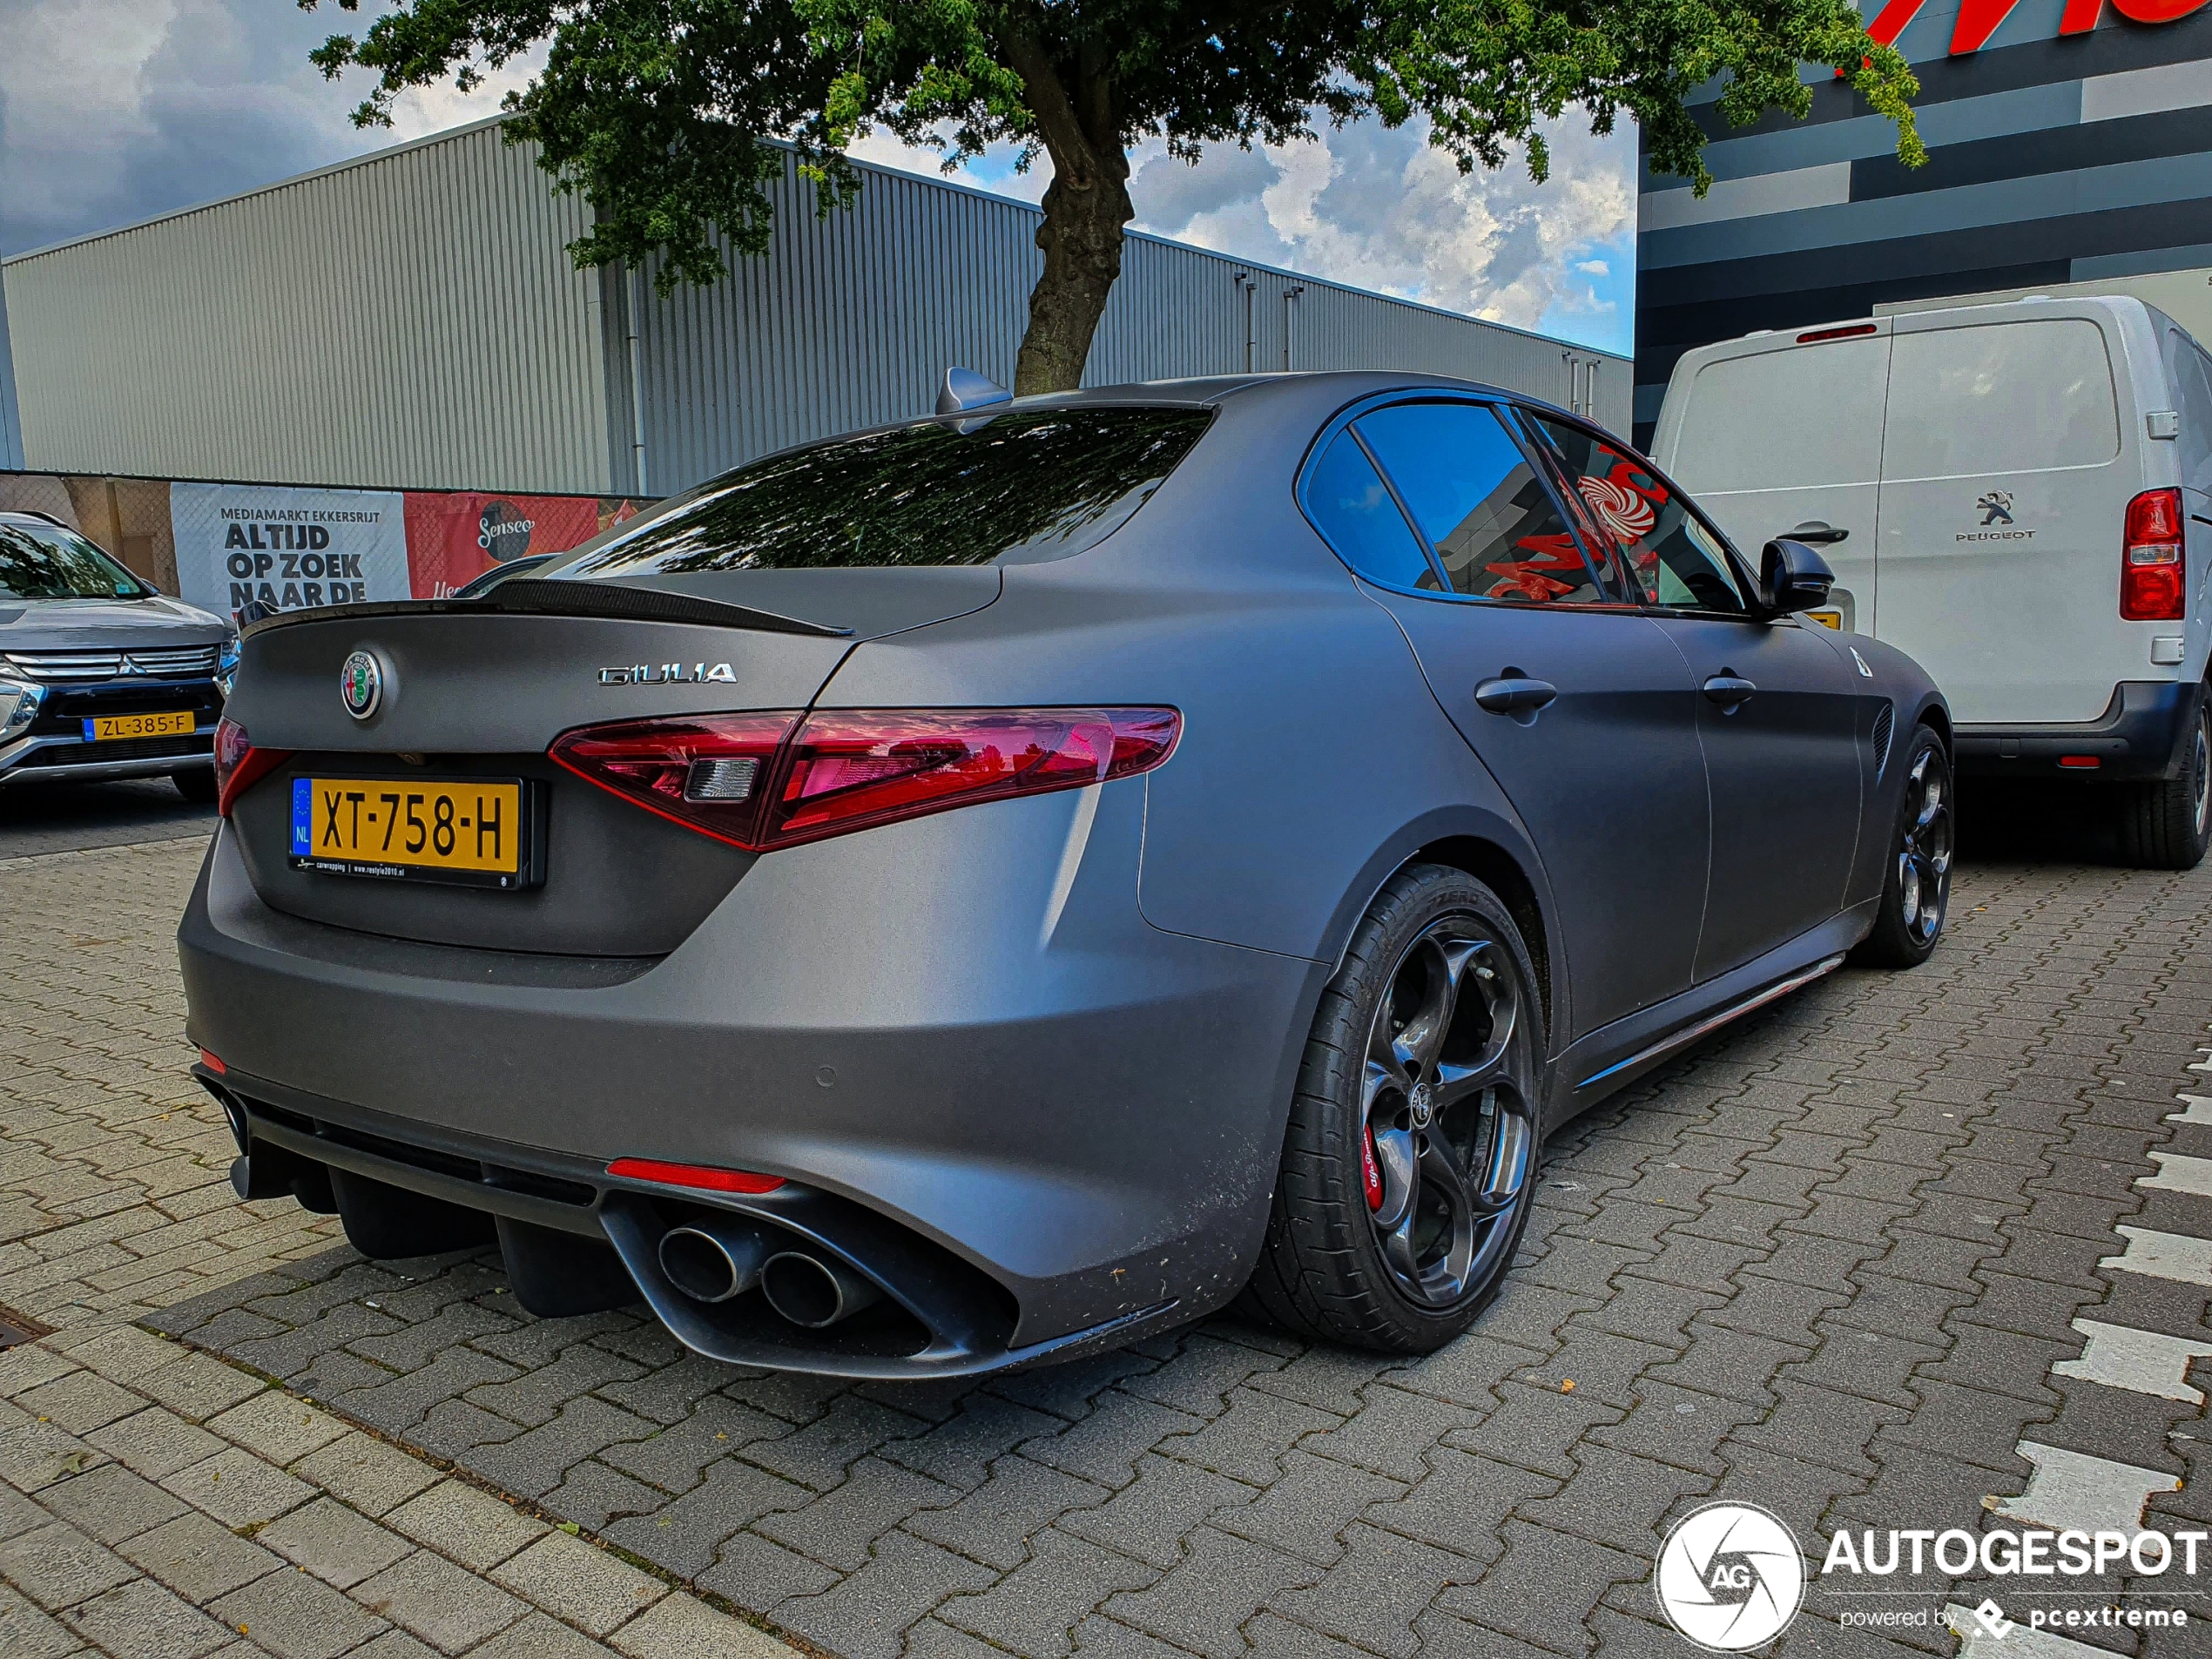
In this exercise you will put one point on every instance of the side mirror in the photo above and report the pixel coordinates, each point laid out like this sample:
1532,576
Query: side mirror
1792,578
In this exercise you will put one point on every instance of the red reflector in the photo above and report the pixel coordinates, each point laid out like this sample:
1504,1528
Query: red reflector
212,1063
694,1175
2153,570
1852,331
2080,763
238,764
767,780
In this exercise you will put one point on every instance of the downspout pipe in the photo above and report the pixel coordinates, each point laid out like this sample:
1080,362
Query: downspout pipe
631,307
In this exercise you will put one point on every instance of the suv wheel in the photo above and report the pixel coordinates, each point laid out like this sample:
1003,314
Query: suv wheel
1916,890
1410,1162
2164,826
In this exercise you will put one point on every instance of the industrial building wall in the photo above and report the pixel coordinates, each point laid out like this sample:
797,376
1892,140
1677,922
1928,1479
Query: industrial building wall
852,320
2053,158
11,425
410,321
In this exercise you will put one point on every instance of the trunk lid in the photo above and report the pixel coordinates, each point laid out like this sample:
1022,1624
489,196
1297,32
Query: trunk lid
478,691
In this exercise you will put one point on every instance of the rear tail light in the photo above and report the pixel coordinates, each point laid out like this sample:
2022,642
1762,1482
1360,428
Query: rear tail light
761,781
2154,571
238,764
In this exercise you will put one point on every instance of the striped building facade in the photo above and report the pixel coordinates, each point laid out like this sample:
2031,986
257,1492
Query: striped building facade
2066,142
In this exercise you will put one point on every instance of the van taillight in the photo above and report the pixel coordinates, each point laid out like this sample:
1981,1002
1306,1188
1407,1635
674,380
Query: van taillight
761,781
2153,570
238,764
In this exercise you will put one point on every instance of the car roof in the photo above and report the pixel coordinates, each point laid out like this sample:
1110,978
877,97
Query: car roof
1316,393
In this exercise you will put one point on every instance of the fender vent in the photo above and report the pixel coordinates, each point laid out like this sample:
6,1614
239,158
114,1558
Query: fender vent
1883,722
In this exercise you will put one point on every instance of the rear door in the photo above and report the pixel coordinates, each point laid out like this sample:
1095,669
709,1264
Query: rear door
1778,710
2005,484
1771,435
1606,773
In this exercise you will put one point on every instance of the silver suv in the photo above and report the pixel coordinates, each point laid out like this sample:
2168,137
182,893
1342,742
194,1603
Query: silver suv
101,675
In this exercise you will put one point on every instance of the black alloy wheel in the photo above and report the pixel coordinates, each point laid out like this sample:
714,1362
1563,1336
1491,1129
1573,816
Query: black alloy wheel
1916,891
1410,1156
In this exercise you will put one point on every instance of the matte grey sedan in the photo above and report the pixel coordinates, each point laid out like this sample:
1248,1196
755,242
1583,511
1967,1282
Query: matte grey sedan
959,895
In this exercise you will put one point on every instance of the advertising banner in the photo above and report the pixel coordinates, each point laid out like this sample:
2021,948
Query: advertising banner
452,538
288,548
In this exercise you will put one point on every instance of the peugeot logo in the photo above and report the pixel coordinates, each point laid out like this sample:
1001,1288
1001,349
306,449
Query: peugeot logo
361,684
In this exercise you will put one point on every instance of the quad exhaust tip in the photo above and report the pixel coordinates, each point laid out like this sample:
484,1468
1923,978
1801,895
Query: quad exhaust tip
813,1292
712,1260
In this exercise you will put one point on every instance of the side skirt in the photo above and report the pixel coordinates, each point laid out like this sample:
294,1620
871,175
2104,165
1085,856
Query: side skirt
1610,1059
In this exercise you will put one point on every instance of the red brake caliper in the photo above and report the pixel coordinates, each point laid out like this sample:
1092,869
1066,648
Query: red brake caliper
1369,1171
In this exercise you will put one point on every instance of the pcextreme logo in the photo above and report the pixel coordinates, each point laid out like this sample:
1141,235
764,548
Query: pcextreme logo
1730,1577
1979,19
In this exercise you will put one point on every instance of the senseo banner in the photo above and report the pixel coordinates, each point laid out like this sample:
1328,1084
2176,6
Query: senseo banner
452,539
288,548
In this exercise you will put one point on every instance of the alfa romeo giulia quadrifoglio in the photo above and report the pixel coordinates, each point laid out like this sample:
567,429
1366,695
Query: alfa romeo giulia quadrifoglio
959,895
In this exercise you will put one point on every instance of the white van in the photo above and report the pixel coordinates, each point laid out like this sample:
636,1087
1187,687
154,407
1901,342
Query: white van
2017,494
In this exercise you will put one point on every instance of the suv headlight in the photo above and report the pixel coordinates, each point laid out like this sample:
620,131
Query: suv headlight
18,707
226,665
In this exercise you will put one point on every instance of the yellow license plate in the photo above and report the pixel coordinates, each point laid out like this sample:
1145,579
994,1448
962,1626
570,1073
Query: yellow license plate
467,831
106,727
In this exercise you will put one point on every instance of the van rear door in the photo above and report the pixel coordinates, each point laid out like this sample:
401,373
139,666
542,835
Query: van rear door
2005,475
1772,433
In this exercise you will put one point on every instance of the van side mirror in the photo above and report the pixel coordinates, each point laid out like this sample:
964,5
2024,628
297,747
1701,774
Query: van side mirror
1792,578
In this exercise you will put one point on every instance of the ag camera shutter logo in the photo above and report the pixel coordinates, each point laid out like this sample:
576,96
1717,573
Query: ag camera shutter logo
1730,1577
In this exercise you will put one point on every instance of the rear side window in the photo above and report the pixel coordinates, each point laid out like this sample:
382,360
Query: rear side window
1473,494
1792,419
1023,486
1352,506
2000,397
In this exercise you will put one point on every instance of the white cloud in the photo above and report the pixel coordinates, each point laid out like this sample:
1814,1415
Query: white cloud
1386,209
112,111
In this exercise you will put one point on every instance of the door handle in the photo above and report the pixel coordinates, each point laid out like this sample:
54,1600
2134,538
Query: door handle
1816,533
1514,694
1729,691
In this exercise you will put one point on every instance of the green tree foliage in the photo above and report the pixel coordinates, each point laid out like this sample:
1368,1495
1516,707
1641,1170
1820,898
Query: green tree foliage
668,116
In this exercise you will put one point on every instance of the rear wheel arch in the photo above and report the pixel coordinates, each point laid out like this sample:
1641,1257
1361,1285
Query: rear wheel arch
1497,869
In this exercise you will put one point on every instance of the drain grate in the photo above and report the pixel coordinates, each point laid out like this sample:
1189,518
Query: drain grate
15,1329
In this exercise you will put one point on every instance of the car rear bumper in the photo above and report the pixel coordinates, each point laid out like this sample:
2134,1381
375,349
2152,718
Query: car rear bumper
2137,737
1052,1139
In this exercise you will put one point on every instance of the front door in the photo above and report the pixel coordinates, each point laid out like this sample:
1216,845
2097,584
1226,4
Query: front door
1574,700
1777,711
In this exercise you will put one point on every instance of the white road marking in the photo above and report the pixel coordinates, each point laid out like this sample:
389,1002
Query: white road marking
2073,1489
2157,1255
2204,1064
2177,1173
2199,1110
2019,1643
2141,1361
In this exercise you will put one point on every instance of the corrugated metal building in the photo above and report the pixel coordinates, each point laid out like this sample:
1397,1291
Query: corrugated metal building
11,425
411,320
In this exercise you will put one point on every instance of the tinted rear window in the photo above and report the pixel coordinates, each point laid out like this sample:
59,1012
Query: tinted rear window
1022,485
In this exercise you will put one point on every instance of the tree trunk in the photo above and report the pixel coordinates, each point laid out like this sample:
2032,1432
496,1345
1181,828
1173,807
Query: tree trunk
1085,207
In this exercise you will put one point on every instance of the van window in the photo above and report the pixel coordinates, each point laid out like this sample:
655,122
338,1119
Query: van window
1792,419
2192,380
2000,397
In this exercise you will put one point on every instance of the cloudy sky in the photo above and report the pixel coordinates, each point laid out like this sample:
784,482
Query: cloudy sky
112,110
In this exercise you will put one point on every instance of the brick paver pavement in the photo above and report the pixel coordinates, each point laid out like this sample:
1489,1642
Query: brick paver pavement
157,1503
1859,1260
